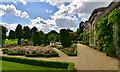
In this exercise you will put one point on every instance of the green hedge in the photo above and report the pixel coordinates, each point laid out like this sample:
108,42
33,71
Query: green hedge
69,53
65,38
54,64
59,47
74,53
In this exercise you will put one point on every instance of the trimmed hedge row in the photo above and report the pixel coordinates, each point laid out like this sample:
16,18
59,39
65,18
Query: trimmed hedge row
54,64
59,47
70,54
74,53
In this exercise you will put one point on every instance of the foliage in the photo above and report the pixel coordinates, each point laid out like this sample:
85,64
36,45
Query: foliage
34,29
114,18
31,51
36,38
27,32
71,67
53,64
73,36
12,35
65,38
46,40
8,66
53,36
102,33
71,51
11,41
85,38
80,30
19,33
108,34
42,37
59,47
3,31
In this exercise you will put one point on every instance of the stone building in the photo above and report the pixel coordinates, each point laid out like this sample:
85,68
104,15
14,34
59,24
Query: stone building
95,16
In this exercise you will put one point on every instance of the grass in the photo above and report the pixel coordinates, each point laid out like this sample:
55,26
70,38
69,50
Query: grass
6,65
11,41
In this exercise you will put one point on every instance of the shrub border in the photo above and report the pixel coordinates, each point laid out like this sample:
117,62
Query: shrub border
54,64
54,54
70,54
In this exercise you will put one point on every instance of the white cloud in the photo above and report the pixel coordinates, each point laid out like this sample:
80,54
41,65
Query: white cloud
54,2
1,13
24,15
48,11
11,9
23,2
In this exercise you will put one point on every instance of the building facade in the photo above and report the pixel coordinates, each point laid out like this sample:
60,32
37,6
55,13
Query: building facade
95,16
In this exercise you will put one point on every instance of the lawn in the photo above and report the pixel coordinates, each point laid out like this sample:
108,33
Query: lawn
6,65
11,41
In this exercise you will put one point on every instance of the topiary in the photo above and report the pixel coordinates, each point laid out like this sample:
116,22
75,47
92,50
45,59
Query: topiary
36,38
65,38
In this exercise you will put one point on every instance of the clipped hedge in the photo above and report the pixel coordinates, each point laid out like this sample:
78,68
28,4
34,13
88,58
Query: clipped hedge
59,47
54,64
74,53
65,38
69,53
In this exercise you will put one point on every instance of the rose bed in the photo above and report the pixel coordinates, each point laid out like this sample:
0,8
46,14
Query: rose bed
31,51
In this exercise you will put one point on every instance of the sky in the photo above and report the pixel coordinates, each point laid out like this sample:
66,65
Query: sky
47,15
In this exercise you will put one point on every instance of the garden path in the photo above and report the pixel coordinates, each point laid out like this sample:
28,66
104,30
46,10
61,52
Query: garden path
87,59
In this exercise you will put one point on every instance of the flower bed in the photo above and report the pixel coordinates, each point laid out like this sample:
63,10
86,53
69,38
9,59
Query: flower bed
31,51
70,51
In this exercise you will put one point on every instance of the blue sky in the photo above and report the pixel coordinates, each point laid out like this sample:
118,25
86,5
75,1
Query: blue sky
34,9
47,15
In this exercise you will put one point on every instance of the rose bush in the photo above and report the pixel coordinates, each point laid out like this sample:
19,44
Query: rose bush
31,51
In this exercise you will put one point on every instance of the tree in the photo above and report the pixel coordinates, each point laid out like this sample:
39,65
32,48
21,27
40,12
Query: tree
19,33
27,32
33,29
65,38
3,31
36,38
12,35
73,36
53,35
70,30
80,30
42,37
46,40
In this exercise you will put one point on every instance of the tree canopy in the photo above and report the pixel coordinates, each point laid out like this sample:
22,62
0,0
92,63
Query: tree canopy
12,35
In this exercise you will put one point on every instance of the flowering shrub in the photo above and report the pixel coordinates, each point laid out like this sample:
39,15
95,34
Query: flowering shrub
30,50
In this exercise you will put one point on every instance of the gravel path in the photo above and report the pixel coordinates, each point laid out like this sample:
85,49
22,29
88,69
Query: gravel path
87,59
